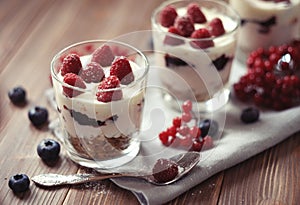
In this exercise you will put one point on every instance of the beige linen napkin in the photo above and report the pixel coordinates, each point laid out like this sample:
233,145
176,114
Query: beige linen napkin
237,143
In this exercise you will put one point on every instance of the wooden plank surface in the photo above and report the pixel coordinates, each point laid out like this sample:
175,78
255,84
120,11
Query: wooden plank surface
31,32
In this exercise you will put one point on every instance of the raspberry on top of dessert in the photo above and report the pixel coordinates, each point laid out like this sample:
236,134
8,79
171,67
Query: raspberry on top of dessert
195,22
102,70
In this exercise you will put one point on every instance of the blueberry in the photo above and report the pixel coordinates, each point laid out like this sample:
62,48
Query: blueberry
19,183
250,115
48,150
208,127
17,95
38,115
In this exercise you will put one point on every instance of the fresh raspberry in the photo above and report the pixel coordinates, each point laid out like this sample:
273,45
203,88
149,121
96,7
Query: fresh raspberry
71,64
173,41
122,69
103,55
201,33
92,73
73,80
164,170
216,27
185,26
168,16
195,13
108,96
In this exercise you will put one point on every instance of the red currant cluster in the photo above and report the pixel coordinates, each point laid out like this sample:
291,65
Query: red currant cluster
182,134
272,78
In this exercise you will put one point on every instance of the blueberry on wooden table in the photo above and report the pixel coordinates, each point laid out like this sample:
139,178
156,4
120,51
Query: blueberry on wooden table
19,183
48,150
38,115
17,95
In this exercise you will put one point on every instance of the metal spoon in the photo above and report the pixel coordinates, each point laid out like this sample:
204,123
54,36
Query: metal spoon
185,161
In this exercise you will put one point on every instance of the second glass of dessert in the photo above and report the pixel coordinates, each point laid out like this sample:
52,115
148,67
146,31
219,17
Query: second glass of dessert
198,39
266,23
99,90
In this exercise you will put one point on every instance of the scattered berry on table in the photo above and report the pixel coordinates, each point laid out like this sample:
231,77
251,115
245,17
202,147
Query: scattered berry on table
177,122
167,16
197,145
103,55
38,115
92,73
164,170
122,69
187,106
75,81
250,115
71,64
109,83
194,11
48,150
208,142
195,132
19,183
185,133
208,127
17,95
186,117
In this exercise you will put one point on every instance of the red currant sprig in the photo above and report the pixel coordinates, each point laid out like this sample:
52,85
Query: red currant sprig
184,132
271,80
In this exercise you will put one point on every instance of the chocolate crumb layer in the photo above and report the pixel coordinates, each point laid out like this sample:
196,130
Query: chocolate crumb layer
99,147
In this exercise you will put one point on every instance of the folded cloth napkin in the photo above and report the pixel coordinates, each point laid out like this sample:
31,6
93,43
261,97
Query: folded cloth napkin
237,143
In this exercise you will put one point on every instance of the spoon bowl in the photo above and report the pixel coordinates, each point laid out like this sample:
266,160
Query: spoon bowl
185,161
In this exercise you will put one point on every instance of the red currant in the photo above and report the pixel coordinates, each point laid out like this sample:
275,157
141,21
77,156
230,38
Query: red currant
187,106
270,81
197,145
195,132
186,117
184,130
177,121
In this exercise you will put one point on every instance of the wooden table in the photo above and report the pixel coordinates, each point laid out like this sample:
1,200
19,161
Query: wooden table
31,32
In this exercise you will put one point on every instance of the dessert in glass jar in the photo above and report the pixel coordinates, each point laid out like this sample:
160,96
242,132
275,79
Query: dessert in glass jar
266,23
99,89
198,39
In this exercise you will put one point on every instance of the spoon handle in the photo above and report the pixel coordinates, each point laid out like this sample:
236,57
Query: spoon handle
58,179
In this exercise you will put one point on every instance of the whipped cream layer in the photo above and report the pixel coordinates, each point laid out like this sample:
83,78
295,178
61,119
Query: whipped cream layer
266,23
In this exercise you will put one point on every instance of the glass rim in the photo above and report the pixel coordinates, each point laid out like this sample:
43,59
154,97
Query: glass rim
59,54
170,2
